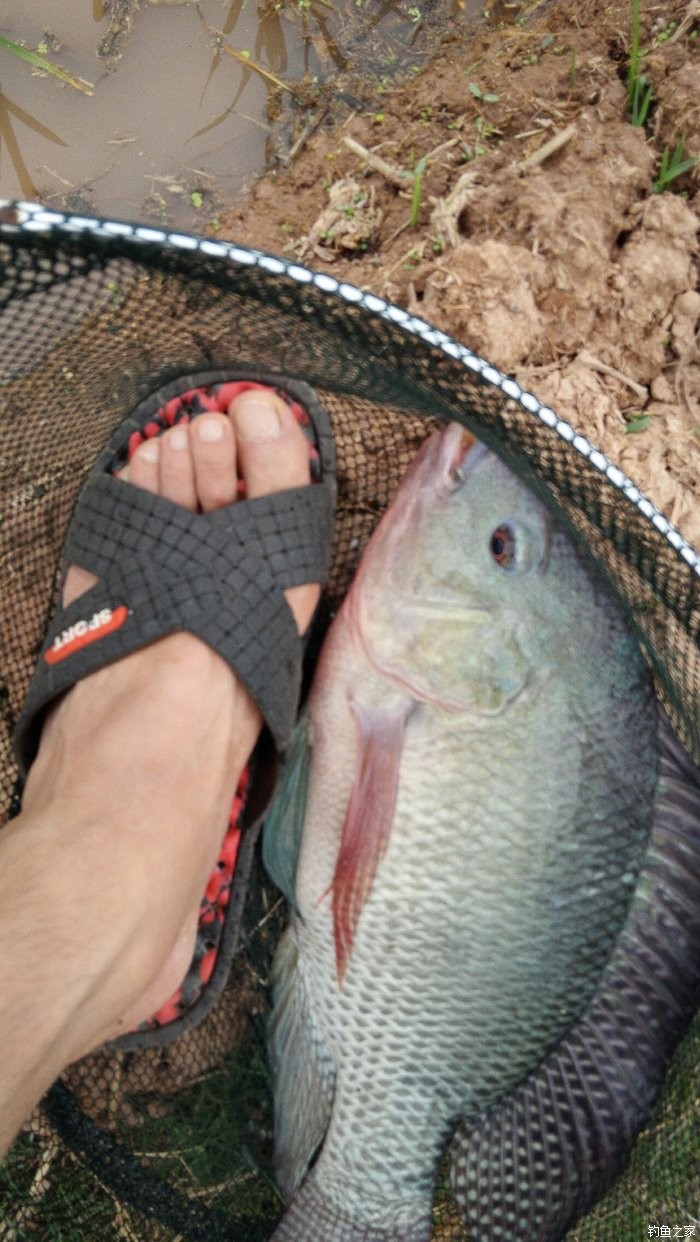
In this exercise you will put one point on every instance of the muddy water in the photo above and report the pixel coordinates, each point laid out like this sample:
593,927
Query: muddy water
176,126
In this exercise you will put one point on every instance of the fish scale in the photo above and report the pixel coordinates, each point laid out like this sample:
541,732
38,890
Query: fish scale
530,1166
470,843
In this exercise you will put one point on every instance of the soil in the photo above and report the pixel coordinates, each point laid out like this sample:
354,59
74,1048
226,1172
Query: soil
559,263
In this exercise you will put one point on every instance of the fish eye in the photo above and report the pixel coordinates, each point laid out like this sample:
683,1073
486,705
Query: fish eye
503,546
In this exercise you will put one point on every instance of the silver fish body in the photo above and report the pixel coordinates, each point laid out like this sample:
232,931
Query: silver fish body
482,734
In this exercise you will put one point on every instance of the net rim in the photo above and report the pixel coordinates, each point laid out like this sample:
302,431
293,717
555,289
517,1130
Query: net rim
18,216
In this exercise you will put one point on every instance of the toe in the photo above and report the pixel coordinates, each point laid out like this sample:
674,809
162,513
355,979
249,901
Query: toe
143,466
176,467
273,455
214,456
272,452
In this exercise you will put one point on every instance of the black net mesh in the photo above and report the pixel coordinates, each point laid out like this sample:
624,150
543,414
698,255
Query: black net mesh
176,1141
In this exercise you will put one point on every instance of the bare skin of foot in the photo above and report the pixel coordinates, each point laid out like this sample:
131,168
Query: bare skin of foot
128,798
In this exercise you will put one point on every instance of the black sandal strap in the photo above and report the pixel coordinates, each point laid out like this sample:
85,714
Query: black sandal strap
289,531
162,569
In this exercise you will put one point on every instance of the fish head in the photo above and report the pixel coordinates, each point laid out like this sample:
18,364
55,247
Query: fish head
470,593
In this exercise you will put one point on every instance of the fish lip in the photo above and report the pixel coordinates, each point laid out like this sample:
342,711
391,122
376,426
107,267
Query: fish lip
453,446
469,457
473,456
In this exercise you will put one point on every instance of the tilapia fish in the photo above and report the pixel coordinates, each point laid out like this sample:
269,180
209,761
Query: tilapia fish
469,827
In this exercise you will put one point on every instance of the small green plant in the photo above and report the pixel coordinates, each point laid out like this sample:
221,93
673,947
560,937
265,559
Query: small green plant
640,100
485,128
638,422
417,195
471,153
573,67
196,199
639,89
477,92
664,35
672,165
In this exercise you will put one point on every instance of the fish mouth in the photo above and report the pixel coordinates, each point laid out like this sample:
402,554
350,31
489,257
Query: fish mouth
457,454
470,452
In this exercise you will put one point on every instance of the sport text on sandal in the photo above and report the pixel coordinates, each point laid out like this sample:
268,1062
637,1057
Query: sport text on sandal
81,633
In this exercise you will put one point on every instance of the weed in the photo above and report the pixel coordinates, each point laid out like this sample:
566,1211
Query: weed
471,153
639,89
573,67
640,100
38,62
484,128
417,194
672,165
639,422
663,35
477,92
245,58
196,199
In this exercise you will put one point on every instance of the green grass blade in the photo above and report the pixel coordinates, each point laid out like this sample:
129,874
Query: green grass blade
633,69
246,59
417,194
38,62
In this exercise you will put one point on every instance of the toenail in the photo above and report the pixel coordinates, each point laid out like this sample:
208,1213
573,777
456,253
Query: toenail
257,418
178,439
209,429
150,451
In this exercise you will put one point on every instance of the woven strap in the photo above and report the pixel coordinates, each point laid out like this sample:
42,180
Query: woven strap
162,569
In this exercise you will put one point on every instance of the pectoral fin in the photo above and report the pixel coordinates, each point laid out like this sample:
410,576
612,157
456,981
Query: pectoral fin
285,819
369,817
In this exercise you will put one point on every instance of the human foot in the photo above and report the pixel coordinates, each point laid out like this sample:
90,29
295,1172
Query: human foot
201,465
105,744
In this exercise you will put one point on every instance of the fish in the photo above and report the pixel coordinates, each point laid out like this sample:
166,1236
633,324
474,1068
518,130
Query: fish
460,832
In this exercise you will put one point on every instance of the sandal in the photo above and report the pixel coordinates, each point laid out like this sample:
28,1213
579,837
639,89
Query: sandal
220,576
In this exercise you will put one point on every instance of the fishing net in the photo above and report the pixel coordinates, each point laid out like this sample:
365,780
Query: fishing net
175,1141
